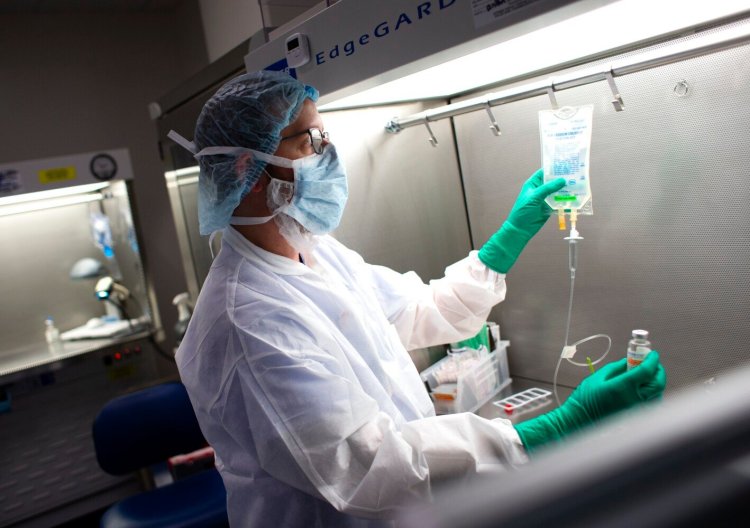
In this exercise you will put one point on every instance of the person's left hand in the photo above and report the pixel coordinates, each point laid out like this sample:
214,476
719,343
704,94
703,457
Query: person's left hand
610,390
526,218
614,388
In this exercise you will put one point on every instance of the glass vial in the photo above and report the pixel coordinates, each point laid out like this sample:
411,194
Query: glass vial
52,334
638,348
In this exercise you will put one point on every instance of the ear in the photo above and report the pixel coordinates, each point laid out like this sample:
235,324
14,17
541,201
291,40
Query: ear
259,185
243,163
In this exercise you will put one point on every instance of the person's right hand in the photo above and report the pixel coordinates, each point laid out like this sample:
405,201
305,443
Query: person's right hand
606,392
525,219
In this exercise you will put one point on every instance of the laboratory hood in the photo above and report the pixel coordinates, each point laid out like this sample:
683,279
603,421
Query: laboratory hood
434,106
76,326
71,260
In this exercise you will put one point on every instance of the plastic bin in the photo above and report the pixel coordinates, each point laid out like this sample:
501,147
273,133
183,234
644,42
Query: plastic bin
457,386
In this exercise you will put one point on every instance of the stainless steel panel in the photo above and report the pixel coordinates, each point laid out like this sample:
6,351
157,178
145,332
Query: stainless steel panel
669,244
177,187
47,456
199,248
39,249
406,208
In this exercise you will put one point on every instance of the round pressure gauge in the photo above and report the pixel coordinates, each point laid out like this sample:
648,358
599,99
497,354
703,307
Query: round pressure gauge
103,167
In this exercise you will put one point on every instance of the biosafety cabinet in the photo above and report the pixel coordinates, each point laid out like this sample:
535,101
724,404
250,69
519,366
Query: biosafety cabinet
434,107
70,254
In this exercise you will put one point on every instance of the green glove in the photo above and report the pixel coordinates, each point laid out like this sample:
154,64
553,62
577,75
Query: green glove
611,389
482,338
528,215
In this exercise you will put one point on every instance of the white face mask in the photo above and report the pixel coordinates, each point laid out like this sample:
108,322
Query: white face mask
278,195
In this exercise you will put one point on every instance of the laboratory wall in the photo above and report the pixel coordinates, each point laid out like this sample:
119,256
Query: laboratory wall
81,82
668,245
227,23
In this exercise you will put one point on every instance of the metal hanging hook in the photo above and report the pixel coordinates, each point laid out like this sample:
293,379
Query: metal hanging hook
493,123
551,94
617,102
432,139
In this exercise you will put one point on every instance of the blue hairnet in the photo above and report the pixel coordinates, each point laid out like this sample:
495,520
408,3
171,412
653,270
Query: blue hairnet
249,111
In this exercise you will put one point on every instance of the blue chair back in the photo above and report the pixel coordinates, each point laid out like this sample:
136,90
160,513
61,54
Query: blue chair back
147,427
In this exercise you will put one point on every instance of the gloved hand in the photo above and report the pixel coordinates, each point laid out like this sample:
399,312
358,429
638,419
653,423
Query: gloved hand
528,215
611,389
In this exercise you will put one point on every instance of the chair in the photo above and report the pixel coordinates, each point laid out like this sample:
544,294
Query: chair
138,430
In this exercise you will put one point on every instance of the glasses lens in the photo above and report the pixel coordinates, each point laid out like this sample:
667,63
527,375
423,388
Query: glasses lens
316,139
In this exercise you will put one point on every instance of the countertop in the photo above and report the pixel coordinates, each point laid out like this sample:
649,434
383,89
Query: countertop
41,354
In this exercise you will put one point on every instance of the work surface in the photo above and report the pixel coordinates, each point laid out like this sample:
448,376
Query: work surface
21,361
490,411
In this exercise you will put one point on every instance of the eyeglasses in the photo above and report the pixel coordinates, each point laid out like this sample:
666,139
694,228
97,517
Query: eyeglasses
316,138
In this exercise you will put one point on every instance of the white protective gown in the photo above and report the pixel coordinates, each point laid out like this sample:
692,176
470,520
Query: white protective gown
301,382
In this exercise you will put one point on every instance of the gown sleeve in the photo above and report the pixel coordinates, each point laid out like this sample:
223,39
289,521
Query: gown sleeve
293,399
446,310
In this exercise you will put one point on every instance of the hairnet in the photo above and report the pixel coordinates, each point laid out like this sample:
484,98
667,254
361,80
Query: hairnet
249,111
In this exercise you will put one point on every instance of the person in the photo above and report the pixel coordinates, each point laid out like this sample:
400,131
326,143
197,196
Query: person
295,358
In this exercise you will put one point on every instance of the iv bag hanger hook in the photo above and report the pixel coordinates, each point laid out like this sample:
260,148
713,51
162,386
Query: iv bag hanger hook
432,139
551,94
493,123
617,101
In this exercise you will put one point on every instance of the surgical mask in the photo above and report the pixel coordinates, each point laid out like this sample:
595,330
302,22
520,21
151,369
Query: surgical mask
318,193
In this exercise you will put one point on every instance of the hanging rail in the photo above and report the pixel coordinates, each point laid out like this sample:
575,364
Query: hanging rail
676,53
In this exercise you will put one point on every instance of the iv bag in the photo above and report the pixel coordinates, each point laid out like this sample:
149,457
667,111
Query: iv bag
565,136
101,233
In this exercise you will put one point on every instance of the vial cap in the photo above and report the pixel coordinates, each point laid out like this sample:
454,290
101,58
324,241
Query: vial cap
640,334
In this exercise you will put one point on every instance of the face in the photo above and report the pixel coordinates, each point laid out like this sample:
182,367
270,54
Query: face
295,142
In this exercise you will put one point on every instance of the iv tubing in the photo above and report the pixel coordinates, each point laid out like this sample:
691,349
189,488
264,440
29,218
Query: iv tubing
572,264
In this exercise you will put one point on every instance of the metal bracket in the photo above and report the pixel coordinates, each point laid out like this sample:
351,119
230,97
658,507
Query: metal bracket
432,139
493,123
392,126
617,102
551,94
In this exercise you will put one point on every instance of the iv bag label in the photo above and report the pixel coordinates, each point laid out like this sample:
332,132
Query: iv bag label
565,136
56,175
636,357
489,11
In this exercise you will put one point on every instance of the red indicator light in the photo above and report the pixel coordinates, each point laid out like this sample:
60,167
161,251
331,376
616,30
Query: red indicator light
118,356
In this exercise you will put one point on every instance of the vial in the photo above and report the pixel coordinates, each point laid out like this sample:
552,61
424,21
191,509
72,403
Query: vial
52,335
638,348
